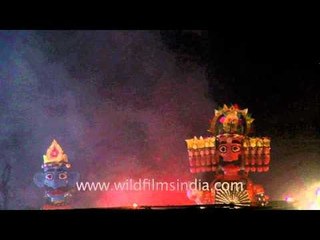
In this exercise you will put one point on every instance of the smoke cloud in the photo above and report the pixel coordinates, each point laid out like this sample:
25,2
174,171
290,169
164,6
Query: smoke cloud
120,103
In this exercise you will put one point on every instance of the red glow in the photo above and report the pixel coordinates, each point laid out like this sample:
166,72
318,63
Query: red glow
154,148
54,153
222,119
144,198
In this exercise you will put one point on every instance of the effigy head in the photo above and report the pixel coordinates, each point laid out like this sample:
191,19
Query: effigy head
229,151
231,120
56,178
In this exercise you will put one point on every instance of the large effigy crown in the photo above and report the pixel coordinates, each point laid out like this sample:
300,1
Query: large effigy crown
231,120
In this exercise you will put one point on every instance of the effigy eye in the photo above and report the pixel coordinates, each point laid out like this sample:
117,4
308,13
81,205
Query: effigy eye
235,148
49,176
223,149
62,175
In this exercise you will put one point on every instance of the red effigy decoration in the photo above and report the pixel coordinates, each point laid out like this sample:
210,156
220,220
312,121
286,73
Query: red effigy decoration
230,154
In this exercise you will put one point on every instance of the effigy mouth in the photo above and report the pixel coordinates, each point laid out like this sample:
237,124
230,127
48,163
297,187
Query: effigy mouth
231,163
58,191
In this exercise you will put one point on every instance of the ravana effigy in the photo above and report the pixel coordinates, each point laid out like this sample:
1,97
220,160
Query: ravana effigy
230,154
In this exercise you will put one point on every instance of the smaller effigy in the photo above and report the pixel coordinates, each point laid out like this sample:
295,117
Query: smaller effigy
57,179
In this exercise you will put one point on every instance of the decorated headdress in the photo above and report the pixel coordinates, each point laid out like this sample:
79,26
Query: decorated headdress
231,120
55,155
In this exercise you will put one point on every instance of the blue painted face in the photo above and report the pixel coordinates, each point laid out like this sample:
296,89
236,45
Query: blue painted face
57,181
56,177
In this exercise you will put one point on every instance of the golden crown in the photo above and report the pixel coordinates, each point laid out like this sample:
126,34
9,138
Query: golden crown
55,154
231,120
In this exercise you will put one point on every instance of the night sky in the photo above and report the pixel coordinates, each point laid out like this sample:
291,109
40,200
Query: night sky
121,103
273,72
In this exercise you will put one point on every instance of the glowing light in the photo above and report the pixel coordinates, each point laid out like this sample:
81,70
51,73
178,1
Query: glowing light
54,152
135,205
310,198
289,199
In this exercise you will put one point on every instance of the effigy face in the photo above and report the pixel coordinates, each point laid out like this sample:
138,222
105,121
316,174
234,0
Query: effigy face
56,178
229,151
229,147
58,181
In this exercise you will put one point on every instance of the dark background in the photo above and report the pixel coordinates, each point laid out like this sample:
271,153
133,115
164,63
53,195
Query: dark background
274,71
